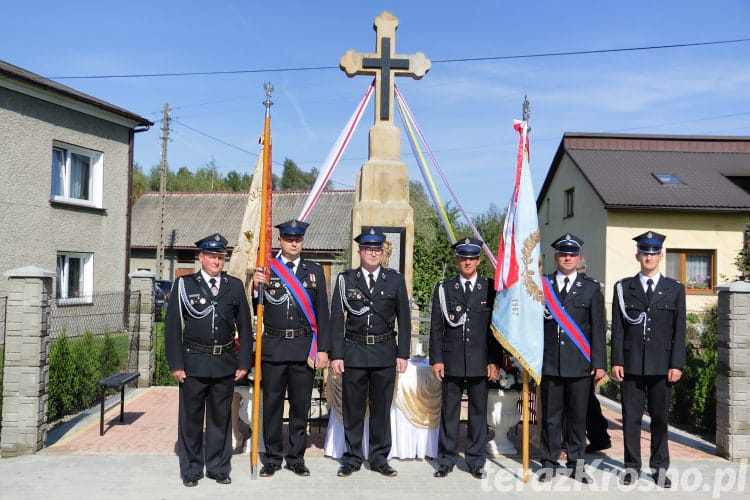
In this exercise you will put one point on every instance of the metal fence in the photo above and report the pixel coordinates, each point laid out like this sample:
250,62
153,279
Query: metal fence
101,337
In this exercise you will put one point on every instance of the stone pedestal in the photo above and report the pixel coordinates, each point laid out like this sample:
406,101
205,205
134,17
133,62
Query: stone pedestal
733,372
26,372
382,196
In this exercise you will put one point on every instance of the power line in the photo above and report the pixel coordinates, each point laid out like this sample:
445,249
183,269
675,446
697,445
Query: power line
435,61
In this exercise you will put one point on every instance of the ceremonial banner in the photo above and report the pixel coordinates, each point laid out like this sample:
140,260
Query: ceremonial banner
518,315
244,255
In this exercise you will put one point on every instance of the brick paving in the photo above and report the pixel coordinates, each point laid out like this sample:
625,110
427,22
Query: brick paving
150,427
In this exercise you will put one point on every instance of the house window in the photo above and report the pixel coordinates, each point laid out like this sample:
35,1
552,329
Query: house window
694,268
76,175
569,199
667,178
75,277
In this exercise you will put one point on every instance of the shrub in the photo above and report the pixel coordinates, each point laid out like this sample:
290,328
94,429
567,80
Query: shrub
162,373
61,388
694,396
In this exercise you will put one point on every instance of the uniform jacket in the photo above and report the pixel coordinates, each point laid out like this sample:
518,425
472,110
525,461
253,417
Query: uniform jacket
288,315
388,304
466,350
584,303
231,312
662,345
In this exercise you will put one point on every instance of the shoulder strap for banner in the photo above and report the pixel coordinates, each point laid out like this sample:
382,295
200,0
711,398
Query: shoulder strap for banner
563,319
298,291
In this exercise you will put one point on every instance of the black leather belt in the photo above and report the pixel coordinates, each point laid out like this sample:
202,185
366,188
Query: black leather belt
289,333
370,339
215,349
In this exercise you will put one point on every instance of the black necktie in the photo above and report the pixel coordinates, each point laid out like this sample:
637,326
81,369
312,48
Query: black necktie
650,289
467,291
290,265
564,290
214,288
372,282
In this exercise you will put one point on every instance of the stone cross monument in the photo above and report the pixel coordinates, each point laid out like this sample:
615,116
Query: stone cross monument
382,192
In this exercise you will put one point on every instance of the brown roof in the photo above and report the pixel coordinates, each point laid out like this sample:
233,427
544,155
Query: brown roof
189,217
621,169
20,74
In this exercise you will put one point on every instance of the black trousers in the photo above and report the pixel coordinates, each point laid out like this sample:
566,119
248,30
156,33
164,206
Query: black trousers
278,379
360,387
567,396
596,424
209,398
450,410
636,391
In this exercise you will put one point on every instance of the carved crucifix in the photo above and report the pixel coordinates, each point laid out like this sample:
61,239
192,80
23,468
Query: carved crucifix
385,64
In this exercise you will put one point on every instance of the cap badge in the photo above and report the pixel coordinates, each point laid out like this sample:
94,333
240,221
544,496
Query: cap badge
217,237
649,235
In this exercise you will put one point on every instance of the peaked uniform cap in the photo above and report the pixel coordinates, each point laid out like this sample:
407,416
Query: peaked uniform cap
649,242
214,243
468,247
370,238
293,228
568,243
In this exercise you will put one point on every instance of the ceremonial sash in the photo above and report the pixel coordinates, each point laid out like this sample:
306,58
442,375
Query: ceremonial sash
295,287
566,323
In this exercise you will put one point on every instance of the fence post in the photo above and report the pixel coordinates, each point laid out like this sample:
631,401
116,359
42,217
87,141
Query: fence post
26,372
143,282
732,374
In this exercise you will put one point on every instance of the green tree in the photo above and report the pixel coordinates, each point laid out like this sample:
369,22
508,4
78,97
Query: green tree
490,226
433,258
140,183
109,357
294,178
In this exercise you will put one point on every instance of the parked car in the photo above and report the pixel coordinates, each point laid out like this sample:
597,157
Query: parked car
162,291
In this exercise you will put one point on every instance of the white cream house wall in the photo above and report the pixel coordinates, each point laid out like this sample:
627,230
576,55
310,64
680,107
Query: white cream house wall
588,221
34,230
723,233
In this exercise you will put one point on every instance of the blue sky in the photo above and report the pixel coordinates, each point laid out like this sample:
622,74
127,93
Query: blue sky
466,109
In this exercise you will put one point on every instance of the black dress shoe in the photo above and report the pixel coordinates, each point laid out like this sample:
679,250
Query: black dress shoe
630,476
478,472
299,468
269,470
190,481
443,470
546,474
581,476
346,470
386,470
221,477
661,479
594,447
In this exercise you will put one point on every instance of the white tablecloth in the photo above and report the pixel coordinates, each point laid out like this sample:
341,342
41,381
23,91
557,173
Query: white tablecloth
408,440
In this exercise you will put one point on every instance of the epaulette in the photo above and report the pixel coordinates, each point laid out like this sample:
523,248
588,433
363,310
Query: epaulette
587,277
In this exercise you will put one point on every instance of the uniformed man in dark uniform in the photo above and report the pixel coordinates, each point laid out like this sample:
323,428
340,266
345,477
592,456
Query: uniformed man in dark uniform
648,354
205,311
367,350
287,342
574,351
464,355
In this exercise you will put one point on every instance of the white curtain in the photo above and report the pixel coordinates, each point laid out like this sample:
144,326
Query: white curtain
698,271
79,176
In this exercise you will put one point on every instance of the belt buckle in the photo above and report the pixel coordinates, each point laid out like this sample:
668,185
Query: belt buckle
370,339
288,334
216,350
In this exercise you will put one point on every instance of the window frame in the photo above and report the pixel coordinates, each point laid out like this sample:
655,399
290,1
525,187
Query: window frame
682,254
61,175
63,277
569,202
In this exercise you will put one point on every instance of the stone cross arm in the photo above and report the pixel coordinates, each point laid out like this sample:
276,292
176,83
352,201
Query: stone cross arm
352,64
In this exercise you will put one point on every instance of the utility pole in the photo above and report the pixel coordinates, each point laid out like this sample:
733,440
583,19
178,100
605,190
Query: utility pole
162,189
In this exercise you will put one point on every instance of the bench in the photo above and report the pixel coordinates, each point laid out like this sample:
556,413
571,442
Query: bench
115,381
